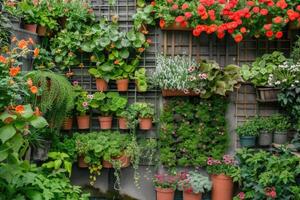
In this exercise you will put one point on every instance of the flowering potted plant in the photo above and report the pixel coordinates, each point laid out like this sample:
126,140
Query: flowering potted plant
82,105
145,113
165,186
222,173
248,132
281,125
193,185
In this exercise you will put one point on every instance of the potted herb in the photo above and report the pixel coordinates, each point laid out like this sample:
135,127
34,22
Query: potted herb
165,186
265,131
222,173
82,106
281,126
194,184
108,104
141,80
248,132
259,74
145,113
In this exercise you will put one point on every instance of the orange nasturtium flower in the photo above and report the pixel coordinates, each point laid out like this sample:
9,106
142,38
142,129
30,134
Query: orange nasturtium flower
13,71
30,40
33,89
22,44
36,52
20,109
2,59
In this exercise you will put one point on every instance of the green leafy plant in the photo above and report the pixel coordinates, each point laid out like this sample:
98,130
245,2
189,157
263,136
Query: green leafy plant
44,60
141,79
83,100
143,17
143,110
281,123
194,182
296,51
248,128
108,103
58,162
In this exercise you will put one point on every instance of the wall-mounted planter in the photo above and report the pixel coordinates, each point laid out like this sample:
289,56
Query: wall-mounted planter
83,122
101,85
280,137
247,141
105,122
125,162
164,194
222,187
265,139
30,27
122,123
176,27
267,94
67,124
145,123
122,85
174,93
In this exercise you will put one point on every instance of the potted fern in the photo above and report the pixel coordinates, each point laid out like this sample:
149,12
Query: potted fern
193,185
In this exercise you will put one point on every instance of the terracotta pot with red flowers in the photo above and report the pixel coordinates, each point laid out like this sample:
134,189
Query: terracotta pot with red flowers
165,186
221,172
193,184
83,105
145,114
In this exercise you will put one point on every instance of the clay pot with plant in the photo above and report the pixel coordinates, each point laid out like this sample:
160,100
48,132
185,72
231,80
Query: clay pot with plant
165,186
108,104
265,131
83,105
193,184
281,125
145,114
101,79
122,119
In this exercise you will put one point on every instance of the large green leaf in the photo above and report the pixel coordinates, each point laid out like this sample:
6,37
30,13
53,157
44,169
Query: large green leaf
107,67
124,53
104,41
7,132
3,152
5,115
28,112
38,122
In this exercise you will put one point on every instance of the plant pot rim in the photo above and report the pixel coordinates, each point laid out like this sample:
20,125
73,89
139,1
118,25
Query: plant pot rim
221,176
267,88
248,136
103,117
192,192
280,132
166,190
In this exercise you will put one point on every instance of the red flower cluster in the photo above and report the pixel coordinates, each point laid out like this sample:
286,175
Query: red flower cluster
271,192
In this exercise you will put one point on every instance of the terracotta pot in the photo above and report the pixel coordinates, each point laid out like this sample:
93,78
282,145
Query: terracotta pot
105,122
41,30
81,162
145,123
30,27
222,187
191,196
122,123
68,123
122,85
164,194
101,85
125,162
83,122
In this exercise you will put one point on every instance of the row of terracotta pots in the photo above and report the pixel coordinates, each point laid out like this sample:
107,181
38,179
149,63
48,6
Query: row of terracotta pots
40,30
122,85
125,162
83,122
222,189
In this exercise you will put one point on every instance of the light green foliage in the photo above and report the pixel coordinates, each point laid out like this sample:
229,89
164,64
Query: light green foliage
58,162
143,17
141,79
143,110
195,182
281,123
249,128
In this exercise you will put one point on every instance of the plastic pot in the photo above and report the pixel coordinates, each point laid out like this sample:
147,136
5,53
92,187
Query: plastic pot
68,123
101,85
123,123
265,139
280,137
122,85
222,187
125,162
145,123
81,162
83,122
247,141
105,122
164,194
30,27
191,196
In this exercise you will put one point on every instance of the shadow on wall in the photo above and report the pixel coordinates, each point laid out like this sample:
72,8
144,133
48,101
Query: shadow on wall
97,194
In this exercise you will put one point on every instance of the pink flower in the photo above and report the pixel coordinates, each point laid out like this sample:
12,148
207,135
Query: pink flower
75,83
90,96
209,162
241,195
191,69
85,104
203,76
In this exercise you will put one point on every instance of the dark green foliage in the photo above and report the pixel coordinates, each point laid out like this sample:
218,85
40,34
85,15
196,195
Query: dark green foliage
192,131
5,27
57,96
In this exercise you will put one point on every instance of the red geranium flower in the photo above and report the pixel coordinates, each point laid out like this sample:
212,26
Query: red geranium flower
264,11
188,15
238,38
175,7
279,34
183,24
196,32
267,27
185,6
298,8
170,1
250,3
3,59
269,34
221,35
243,30
255,9
153,3
162,23
281,4
179,19
277,20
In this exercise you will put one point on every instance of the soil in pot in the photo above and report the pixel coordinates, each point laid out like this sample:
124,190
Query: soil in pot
68,123
30,27
125,162
105,122
145,123
81,162
41,30
122,123
83,122
101,85
122,85
265,139
280,138
164,194
247,141
191,196
222,187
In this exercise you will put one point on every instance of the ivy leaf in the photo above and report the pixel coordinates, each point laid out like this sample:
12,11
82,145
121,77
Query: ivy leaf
7,132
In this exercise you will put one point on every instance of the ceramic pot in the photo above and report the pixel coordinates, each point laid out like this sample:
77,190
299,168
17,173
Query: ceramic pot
123,123
105,122
191,196
68,123
101,85
164,194
81,162
280,137
30,27
125,162
122,85
83,122
265,139
145,123
247,141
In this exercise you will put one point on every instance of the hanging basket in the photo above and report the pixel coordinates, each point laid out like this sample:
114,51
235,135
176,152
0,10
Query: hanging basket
267,94
179,93
175,27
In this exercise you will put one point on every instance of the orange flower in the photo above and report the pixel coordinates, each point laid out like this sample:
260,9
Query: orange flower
37,111
30,40
34,89
22,44
2,59
36,52
20,109
29,82
13,71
